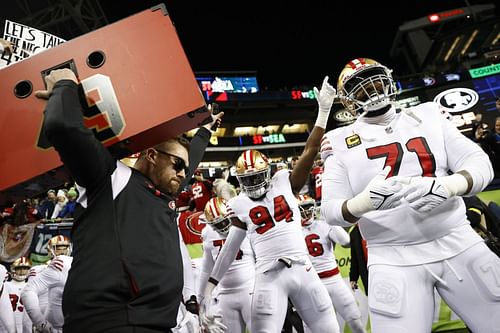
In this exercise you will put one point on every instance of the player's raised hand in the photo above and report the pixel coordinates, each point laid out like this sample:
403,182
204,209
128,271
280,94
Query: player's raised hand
325,98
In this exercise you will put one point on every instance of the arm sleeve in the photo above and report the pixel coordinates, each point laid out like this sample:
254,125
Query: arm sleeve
88,161
197,148
188,275
335,190
339,235
464,154
207,264
228,253
33,288
6,313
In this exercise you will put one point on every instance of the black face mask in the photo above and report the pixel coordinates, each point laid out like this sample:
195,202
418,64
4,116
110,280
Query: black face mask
378,112
253,180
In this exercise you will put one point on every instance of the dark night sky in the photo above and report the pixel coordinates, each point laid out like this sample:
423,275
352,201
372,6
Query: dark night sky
287,43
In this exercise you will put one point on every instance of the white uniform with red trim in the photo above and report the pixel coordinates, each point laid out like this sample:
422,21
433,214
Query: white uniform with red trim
320,240
283,268
43,298
51,279
234,290
14,288
410,253
7,321
273,222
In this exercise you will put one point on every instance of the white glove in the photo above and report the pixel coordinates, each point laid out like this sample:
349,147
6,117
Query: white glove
210,320
44,327
325,98
189,323
379,194
423,194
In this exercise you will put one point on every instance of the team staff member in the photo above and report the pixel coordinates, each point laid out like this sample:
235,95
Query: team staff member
126,275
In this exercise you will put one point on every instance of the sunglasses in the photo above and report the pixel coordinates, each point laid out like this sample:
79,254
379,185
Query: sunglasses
178,162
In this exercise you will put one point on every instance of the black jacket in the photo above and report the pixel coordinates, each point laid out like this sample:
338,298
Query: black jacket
127,267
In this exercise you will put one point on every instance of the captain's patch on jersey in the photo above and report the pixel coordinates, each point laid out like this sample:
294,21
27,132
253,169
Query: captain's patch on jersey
353,141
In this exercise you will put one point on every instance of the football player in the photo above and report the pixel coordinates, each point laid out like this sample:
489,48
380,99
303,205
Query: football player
52,280
266,211
7,321
320,240
399,173
19,271
233,293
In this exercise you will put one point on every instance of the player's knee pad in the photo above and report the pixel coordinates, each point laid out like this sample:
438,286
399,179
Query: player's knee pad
387,294
320,297
265,301
485,271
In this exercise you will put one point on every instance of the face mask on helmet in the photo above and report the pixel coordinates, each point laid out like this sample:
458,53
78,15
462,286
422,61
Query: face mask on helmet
253,173
59,245
307,207
221,225
216,215
366,85
20,269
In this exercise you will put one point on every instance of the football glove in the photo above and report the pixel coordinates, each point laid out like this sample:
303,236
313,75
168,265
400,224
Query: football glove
379,194
423,194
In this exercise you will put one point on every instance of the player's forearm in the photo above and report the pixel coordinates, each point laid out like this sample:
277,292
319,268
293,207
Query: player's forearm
228,253
207,265
468,159
31,303
300,174
334,212
189,286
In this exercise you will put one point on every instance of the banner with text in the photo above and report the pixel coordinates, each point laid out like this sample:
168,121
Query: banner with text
26,41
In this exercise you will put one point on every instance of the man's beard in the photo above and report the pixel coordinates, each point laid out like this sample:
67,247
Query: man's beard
172,187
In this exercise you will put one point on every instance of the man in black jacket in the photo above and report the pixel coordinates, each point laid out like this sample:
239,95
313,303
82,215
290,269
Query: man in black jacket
127,269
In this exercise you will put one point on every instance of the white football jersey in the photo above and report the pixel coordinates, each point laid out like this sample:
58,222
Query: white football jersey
241,272
14,288
43,297
7,321
416,143
320,240
273,222
51,279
